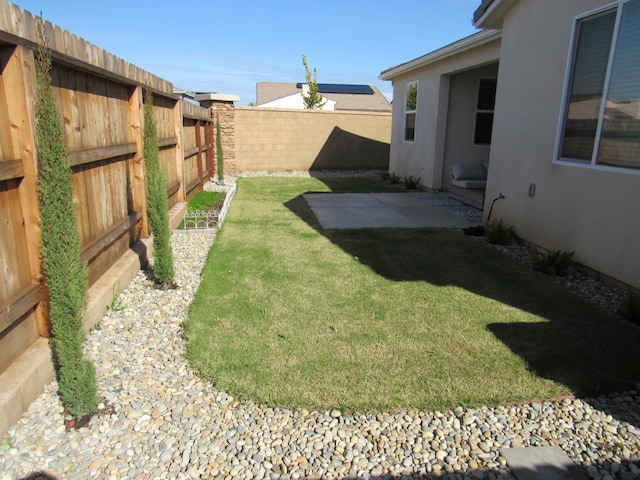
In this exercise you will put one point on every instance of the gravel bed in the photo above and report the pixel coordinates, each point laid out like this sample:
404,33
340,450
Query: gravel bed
160,420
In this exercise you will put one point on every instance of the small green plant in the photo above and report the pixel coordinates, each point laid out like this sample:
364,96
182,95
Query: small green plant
552,262
394,178
116,303
385,176
6,444
631,307
411,182
498,232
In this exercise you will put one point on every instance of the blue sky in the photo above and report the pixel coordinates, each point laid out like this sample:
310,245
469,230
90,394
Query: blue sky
228,46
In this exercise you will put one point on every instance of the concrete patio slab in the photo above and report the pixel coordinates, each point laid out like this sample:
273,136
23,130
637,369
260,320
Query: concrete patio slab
384,210
541,463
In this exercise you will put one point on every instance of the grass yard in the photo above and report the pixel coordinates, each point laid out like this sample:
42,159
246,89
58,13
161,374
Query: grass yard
381,319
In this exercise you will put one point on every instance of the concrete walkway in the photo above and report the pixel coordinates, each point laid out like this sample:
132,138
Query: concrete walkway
391,210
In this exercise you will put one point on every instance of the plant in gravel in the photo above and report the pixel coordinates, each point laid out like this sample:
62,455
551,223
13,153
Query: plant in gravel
157,201
116,303
551,262
394,178
411,182
385,175
64,273
498,232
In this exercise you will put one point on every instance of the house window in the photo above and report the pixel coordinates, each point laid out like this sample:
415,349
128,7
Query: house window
411,106
601,118
484,111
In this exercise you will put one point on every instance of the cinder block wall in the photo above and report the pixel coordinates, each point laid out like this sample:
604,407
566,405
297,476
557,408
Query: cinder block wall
283,139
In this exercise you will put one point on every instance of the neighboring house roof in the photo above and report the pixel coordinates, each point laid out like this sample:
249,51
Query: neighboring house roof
346,96
472,41
490,13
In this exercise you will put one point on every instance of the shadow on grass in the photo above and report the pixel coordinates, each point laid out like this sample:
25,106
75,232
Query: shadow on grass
579,345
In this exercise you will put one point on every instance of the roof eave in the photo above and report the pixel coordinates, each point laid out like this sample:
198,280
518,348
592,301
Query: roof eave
491,13
472,41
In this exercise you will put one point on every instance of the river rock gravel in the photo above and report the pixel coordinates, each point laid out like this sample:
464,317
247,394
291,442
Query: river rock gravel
159,420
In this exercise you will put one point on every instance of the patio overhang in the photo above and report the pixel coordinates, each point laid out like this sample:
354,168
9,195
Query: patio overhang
467,43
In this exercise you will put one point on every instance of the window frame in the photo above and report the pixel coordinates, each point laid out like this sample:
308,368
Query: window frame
613,7
410,112
481,110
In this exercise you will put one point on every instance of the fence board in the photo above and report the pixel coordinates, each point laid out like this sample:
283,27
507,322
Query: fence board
101,153
18,305
15,271
10,169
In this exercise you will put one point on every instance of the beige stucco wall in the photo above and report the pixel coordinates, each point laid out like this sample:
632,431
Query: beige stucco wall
425,157
286,139
589,210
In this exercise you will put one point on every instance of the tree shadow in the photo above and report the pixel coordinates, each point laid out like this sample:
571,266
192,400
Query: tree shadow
573,342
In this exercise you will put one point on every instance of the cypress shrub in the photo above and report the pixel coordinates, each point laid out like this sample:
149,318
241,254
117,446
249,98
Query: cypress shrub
219,155
65,275
157,201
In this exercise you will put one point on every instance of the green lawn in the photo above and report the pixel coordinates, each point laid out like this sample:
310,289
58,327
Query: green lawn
381,319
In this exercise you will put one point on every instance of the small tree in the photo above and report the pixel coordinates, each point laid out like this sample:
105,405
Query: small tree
157,201
219,154
312,100
65,275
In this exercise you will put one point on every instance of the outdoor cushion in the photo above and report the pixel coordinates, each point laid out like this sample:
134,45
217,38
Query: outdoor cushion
469,171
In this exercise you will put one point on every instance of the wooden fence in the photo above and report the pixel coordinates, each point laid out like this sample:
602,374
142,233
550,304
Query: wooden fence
100,102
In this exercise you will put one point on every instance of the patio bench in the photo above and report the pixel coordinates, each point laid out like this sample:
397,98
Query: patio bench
468,183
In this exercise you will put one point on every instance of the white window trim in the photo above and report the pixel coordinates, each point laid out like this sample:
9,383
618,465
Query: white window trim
592,165
478,110
415,112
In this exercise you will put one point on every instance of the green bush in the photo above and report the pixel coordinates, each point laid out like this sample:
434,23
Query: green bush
552,262
411,182
498,232
394,178
157,201
65,275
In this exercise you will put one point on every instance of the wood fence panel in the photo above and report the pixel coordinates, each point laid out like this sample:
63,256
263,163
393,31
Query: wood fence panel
94,110
15,271
190,152
21,317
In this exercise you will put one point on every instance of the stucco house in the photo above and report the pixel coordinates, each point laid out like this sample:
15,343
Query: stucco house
338,96
561,137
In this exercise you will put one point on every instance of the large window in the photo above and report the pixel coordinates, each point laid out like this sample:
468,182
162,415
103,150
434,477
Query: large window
410,109
601,121
484,111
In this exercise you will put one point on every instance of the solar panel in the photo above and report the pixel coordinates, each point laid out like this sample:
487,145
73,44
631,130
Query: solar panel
342,88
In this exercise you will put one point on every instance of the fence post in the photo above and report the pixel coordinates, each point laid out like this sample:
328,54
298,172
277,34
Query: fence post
137,185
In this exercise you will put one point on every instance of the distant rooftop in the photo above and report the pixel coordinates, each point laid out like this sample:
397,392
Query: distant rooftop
341,88
347,96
